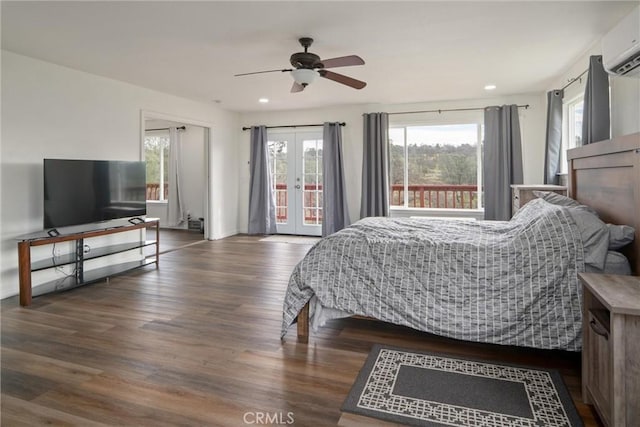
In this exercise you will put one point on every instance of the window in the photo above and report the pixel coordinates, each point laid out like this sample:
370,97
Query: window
436,166
572,127
156,155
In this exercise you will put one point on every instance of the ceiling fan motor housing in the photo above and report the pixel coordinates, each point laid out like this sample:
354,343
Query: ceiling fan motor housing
305,60
307,66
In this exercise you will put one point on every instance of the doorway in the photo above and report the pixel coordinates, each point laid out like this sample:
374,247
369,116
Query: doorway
195,182
296,176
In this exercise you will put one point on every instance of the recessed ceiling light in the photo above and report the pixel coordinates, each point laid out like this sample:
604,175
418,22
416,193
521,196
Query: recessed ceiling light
489,87
263,100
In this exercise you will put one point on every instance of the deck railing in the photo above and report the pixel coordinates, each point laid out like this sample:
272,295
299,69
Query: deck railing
312,203
436,196
420,196
153,191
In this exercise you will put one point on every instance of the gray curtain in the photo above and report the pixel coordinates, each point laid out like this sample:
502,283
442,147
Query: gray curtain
553,152
595,117
262,204
502,160
375,166
334,199
175,204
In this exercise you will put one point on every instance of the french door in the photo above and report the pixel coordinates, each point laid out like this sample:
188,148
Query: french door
296,178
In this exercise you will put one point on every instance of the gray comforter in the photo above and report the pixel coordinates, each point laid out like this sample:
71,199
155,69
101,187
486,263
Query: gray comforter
511,283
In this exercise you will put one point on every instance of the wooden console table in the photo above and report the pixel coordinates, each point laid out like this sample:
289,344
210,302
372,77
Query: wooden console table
77,259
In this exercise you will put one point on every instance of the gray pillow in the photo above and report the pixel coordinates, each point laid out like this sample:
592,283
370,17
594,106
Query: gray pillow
620,235
615,263
594,234
555,198
560,200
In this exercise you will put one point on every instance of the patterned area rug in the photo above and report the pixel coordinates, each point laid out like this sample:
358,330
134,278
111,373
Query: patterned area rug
299,240
428,389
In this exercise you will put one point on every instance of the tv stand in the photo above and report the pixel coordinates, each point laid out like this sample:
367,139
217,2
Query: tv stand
78,258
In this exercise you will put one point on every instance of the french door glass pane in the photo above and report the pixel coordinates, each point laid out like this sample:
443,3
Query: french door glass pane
279,168
312,182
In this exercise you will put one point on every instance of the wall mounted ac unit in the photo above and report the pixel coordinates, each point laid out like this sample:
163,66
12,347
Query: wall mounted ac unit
621,47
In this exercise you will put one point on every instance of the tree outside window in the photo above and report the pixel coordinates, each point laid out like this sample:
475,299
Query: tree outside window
435,166
156,154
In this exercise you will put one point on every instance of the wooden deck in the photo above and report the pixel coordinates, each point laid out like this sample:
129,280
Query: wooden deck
197,342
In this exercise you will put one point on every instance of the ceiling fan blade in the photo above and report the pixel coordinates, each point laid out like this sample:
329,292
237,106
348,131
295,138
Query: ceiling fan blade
261,72
297,87
342,61
341,78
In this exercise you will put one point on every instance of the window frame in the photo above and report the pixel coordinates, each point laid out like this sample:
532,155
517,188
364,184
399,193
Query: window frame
568,128
450,118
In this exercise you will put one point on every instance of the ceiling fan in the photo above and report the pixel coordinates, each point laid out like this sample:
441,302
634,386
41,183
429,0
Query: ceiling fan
307,66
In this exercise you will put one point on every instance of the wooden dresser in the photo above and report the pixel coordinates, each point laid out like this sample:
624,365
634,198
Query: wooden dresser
611,347
521,193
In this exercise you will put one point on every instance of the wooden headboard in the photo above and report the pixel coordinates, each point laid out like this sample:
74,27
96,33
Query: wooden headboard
606,176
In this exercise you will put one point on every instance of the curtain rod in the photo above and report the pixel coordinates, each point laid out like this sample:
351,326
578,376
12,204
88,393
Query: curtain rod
575,79
450,109
294,126
179,128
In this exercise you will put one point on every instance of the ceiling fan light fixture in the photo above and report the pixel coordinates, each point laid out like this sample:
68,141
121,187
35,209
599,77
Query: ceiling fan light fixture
304,76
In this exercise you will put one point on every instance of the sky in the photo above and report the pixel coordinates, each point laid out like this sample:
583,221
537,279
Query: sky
442,134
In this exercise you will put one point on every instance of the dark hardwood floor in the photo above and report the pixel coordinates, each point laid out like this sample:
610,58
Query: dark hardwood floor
197,342
172,239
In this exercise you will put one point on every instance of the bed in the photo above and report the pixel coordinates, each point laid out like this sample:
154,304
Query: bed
510,283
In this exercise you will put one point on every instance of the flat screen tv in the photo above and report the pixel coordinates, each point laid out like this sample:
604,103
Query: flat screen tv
89,191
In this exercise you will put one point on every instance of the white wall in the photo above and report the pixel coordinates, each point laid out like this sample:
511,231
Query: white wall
624,93
625,105
53,111
532,121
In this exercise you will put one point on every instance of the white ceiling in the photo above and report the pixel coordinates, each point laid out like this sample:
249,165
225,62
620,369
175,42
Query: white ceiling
414,51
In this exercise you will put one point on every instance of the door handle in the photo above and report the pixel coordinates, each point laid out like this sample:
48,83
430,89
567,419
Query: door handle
298,186
599,329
